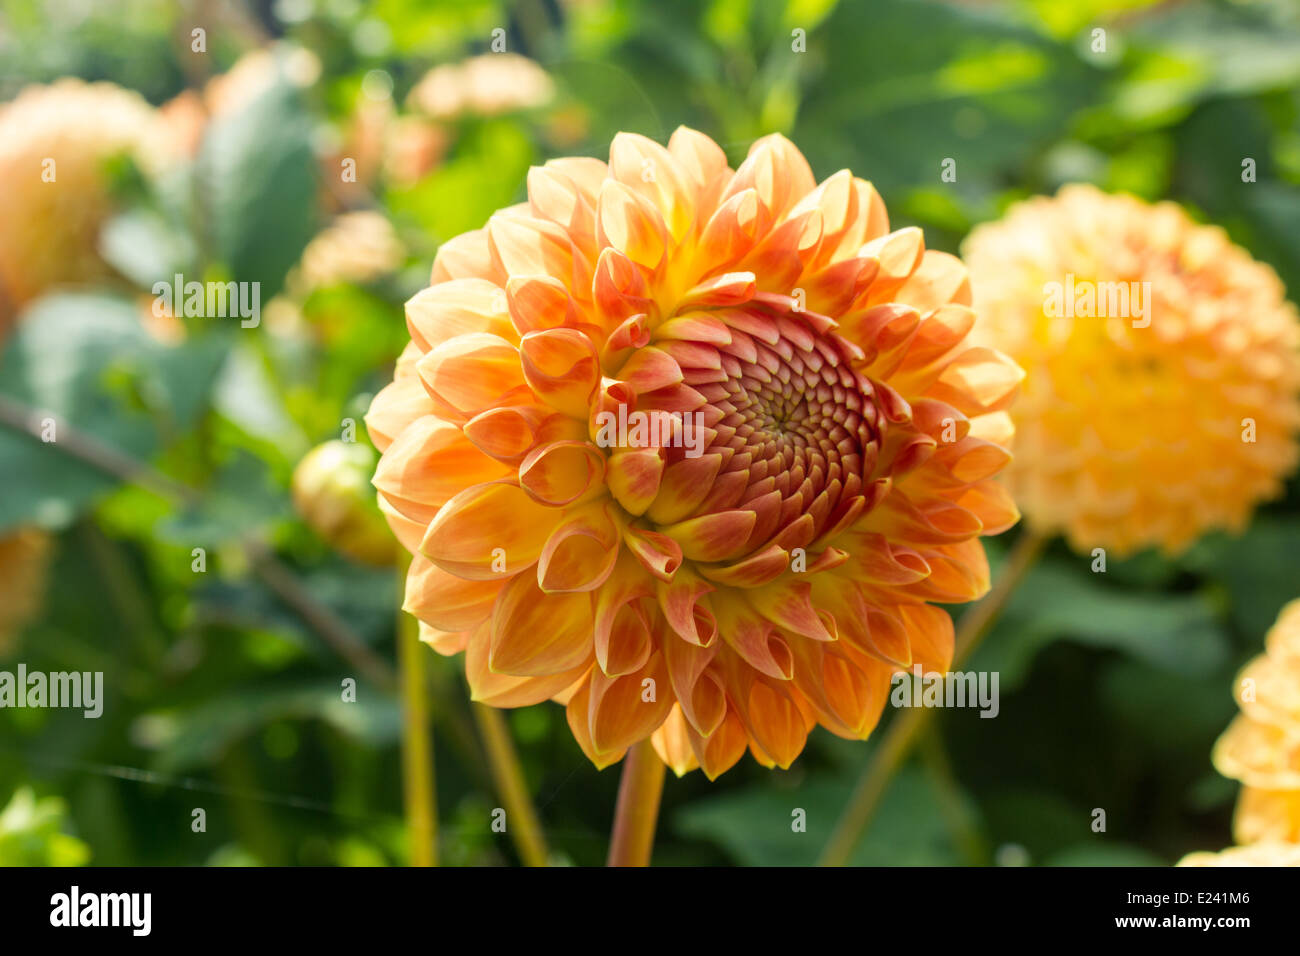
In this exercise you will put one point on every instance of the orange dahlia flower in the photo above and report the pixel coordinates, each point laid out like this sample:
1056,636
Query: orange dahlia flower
1261,747
691,451
54,143
1162,373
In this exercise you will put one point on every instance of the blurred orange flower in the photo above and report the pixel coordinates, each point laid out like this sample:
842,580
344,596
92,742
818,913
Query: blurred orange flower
1161,365
645,473
25,555
54,144
1261,747
485,85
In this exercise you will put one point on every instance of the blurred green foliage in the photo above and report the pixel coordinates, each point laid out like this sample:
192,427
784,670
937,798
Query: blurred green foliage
221,696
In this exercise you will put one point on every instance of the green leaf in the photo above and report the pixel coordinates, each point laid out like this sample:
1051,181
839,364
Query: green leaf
755,825
261,179
86,363
1059,600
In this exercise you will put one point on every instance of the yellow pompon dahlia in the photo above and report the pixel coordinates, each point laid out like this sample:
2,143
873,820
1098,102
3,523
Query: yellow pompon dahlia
1258,854
1261,747
691,450
54,143
1161,366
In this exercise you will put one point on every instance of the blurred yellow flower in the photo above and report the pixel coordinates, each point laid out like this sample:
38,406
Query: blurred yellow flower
485,85
55,142
332,493
1161,365
356,247
1257,854
691,451
1261,747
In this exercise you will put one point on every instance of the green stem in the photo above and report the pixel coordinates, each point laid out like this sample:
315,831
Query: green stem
508,775
907,726
418,785
637,810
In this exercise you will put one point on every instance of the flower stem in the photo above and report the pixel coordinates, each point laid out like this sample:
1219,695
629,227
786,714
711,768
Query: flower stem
509,778
637,810
417,742
905,728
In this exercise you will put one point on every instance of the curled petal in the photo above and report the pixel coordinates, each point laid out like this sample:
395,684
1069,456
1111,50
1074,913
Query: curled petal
562,368
581,551
489,530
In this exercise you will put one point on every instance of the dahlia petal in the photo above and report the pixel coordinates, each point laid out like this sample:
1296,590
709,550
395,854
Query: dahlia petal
457,307
562,472
713,537
648,369
684,485
719,751
658,553
506,690
673,745
777,172
939,279
788,605
398,403
702,161
979,380
472,373
991,503
444,601
732,288
577,711
562,368
730,232
489,530
537,303
651,171
685,610
627,222
633,475
700,694
754,639
619,288
407,531
754,571
776,725
581,551
531,247
930,634
428,464
442,642
535,633
466,256
626,709
695,327
511,432
623,638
